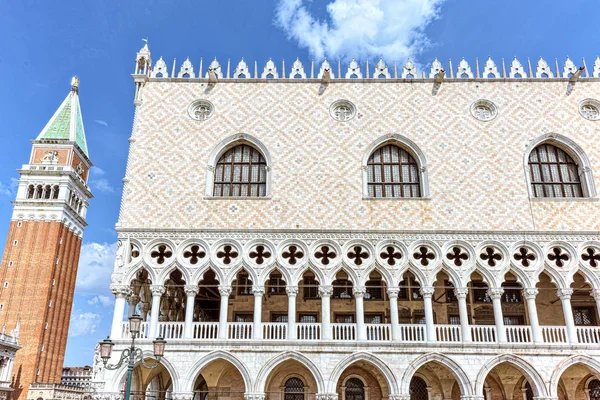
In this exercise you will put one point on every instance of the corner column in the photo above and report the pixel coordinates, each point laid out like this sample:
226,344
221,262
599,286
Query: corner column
496,296
463,313
361,332
224,291
393,296
292,292
258,292
157,292
325,293
120,292
188,328
427,293
596,294
565,299
530,295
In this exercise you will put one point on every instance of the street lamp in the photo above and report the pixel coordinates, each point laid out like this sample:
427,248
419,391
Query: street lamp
132,354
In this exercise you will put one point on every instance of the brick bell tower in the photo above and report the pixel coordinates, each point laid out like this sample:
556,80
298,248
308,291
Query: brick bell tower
39,265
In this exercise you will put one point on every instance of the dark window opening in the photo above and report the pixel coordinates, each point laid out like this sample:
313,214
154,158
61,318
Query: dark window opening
553,173
392,172
241,172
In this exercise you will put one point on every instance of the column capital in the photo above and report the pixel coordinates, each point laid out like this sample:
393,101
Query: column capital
495,293
191,290
121,290
157,290
291,290
461,292
254,396
399,397
258,291
327,396
358,291
427,291
325,290
472,397
225,290
530,293
393,292
565,294
182,396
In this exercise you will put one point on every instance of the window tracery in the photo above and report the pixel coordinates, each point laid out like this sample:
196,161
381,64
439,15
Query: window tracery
241,172
201,110
342,110
553,173
590,109
392,172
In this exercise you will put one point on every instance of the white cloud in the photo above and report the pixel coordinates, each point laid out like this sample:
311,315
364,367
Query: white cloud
84,323
101,122
392,29
103,185
97,171
95,267
10,189
100,299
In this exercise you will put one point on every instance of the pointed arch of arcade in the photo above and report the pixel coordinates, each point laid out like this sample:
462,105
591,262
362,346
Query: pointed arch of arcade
232,275
199,274
277,360
197,368
530,373
131,275
164,361
367,357
385,275
168,271
588,361
228,143
266,273
460,375
308,268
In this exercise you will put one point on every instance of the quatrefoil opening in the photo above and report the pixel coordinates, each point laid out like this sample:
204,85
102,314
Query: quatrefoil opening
161,253
194,253
390,255
260,254
525,257
325,254
591,255
227,254
357,254
491,256
293,254
558,256
423,254
458,256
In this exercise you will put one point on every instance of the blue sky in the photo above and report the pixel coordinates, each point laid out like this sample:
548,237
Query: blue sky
45,43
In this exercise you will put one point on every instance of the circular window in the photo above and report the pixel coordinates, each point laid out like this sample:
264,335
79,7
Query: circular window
201,110
342,110
590,109
484,110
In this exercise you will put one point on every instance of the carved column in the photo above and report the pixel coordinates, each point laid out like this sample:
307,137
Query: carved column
157,292
258,292
496,295
224,291
427,293
393,296
359,294
121,292
565,299
325,293
190,291
326,396
465,328
254,396
536,332
292,292
596,294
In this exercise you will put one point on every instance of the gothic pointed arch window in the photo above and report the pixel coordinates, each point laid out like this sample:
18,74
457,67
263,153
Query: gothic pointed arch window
594,389
241,172
240,166
394,167
558,168
294,389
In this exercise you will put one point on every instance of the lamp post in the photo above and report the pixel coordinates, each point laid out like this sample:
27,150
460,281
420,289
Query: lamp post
132,354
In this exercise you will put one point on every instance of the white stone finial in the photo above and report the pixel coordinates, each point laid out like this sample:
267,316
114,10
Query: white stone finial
490,69
270,71
542,68
216,68
436,67
381,70
241,71
325,66
596,71
409,71
516,69
187,70
569,68
464,70
297,70
160,69
353,70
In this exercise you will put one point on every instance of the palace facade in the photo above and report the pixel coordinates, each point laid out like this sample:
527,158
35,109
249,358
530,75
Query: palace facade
372,232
